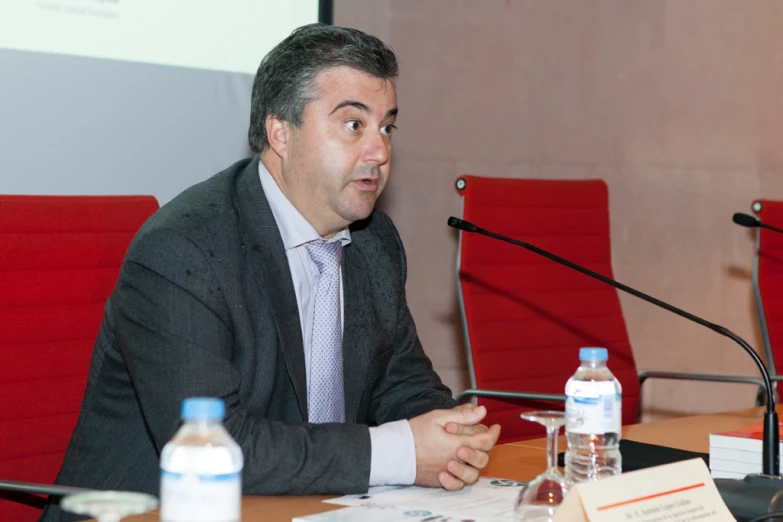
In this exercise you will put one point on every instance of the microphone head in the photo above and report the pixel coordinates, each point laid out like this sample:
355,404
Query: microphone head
461,224
745,220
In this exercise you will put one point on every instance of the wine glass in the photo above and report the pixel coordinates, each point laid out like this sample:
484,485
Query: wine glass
108,506
540,498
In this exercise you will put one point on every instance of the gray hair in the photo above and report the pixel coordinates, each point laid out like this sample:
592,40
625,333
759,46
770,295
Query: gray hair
284,82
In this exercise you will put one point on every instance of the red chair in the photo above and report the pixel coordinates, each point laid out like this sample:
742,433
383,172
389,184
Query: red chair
525,317
59,260
768,281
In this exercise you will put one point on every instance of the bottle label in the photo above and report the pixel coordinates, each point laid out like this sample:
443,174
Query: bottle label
198,497
596,406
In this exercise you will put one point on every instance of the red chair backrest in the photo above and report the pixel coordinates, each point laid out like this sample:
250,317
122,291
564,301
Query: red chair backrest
59,261
769,279
526,315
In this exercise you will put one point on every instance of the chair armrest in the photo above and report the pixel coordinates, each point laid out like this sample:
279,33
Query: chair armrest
699,377
509,396
42,489
681,376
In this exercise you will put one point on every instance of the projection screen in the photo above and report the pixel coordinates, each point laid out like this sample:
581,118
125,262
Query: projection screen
131,96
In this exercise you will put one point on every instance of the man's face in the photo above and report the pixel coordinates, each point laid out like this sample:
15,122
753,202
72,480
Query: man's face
337,162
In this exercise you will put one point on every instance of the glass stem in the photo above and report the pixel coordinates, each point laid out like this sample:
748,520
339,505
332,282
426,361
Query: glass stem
552,433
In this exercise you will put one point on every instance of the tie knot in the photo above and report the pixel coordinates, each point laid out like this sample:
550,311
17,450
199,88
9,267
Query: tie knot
326,255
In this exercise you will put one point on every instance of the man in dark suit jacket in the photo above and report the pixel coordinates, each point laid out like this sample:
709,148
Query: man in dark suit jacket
212,300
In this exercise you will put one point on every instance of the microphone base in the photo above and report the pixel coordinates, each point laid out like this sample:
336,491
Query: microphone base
751,497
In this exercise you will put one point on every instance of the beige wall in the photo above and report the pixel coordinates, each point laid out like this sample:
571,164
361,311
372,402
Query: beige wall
677,104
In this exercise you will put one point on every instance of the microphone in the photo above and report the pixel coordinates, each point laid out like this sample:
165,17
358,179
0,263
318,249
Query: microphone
770,443
747,221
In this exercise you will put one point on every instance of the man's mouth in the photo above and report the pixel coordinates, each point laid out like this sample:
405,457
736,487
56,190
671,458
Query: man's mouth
370,184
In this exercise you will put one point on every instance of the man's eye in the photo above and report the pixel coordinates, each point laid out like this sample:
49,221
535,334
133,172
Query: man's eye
388,129
353,125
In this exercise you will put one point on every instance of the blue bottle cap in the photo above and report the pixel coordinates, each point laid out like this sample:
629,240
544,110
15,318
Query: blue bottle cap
593,354
203,408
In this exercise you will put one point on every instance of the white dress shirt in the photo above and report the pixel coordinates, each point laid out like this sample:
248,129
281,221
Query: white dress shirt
393,454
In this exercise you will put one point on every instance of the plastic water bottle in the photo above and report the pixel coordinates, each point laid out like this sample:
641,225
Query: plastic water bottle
201,467
593,419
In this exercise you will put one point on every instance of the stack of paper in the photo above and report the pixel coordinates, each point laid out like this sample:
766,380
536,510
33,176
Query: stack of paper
489,500
734,454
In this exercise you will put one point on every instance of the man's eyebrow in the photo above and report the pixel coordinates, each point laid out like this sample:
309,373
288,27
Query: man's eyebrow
350,103
362,107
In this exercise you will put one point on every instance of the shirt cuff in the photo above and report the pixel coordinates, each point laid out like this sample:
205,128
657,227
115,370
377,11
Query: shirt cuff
393,454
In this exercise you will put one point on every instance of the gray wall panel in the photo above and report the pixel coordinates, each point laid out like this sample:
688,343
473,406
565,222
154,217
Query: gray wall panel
74,125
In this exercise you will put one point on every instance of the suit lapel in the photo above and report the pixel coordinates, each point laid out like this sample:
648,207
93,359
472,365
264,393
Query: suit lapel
273,275
357,330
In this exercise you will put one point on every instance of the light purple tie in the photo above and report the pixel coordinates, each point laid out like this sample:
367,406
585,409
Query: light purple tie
325,396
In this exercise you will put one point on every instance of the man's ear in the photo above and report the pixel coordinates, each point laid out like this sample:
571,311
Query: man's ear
278,133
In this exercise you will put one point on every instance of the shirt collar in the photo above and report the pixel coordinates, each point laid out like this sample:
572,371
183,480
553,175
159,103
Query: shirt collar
294,228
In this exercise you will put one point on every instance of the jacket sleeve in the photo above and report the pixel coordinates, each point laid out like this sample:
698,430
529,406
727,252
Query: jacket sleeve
409,386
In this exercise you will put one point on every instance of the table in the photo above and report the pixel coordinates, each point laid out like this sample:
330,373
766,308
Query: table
519,461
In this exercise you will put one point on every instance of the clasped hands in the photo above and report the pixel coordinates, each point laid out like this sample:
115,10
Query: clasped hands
452,446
